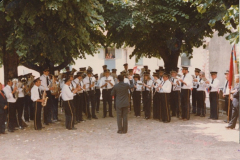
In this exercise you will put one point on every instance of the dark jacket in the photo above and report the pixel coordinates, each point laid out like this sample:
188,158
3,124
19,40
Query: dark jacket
235,100
3,103
122,95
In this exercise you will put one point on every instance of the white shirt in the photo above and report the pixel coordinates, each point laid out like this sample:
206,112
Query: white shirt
202,85
149,84
195,83
188,80
138,84
43,79
166,87
226,88
67,93
35,93
176,87
8,92
157,83
103,81
62,83
97,84
214,85
87,82
126,80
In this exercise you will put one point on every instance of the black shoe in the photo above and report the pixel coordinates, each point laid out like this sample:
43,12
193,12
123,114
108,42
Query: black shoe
225,121
104,117
72,128
95,117
10,130
97,111
197,115
46,124
119,132
209,118
78,121
111,116
165,122
89,118
214,119
229,127
3,133
202,115
82,120
26,121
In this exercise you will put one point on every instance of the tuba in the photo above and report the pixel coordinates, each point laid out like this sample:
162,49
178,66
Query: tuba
44,98
55,90
16,92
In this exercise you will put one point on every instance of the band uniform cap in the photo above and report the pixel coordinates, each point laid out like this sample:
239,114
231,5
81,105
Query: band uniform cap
165,75
104,66
83,69
46,69
95,75
213,72
161,68
106,71
130,70
125,64
173,71
197,70
227,71
146,73
76,76
155,75
79,73
146,67
185,67
89,71
157,70
114,70
136,76
36,79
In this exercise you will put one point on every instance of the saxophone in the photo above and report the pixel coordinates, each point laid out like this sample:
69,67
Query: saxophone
44,98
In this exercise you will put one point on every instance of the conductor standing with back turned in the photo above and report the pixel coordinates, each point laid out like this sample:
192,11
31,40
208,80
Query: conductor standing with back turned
122,103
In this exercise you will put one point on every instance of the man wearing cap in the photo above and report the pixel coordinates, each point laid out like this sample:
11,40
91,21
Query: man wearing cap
36,97
226,97
186,85
28,108
175,95
89,83
161,71
137,95
146,95
194,90
201,95
45,83
130,71
67,96
97,92
10,95
103,73
235,103
213,86
126,69
107,83
156,109
165,90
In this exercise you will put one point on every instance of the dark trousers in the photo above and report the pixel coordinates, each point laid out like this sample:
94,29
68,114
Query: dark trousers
91,99
122,119
97,98
79,108
115,102
185,103
107,98
235,114
11,115
37,115
194,100
214,105
19,108
2,121
226,98
55,108
68,106
85,99
165,110
156,105
27,106
75,108
175,97
137,102
47,108
147,103
201,96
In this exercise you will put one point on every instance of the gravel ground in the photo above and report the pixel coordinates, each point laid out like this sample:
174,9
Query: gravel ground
198,138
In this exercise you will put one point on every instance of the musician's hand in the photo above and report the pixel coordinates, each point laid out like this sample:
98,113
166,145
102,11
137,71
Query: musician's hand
14,89
51,88
130,77
135,86
178,83
180,80
5,107
223,96
207,82
41,100
195,80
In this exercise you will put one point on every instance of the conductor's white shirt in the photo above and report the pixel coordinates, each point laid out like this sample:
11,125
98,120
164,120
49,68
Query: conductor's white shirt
67,93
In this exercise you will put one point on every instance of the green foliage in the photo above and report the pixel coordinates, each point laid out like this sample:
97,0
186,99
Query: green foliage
57,30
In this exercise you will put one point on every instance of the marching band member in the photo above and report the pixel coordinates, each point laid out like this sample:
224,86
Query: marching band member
114,75
161,71
175,94
146,93
89,83
45,83
107,83
73,85
3,110
126,70
194,90
10,95
36,97
97,92
67,96
201,95
137,95
103,73
20,102
226,96
213,95
165,90
186,85
156,101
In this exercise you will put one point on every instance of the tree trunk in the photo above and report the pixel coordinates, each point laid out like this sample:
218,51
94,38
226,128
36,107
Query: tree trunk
171,61
10,63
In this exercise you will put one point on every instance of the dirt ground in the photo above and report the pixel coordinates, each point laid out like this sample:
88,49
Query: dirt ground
198,138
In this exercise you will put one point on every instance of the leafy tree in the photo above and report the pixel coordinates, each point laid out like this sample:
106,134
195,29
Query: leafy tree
51,33
159,28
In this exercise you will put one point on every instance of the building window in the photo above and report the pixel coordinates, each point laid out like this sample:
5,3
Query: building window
139,62
185,61
109,53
